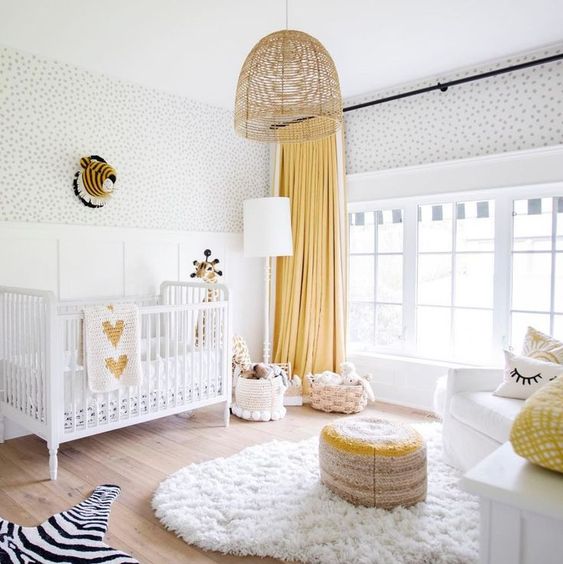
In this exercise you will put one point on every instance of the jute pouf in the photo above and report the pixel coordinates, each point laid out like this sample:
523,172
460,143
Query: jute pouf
373,462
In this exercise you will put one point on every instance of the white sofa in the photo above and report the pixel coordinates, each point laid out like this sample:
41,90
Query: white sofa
475,422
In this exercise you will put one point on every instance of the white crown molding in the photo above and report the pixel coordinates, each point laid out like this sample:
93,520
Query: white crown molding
543,165
498,157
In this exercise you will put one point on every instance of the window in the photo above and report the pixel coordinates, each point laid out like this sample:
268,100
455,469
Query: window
452,278
455,279
537,267
376,279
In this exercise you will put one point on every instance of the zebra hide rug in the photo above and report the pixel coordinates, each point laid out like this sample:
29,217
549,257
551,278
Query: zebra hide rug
73,536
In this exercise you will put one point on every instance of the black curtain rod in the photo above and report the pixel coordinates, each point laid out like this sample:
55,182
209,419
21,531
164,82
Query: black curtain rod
443,86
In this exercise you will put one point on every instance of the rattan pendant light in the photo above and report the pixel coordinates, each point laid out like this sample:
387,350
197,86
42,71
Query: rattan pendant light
288,90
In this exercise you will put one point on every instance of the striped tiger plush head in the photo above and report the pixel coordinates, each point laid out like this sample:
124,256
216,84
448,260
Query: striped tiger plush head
94,183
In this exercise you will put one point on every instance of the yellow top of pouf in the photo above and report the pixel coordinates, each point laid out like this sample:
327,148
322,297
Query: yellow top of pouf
369,436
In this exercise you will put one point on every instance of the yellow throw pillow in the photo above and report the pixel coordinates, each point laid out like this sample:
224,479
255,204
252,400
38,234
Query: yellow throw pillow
540,346
537,431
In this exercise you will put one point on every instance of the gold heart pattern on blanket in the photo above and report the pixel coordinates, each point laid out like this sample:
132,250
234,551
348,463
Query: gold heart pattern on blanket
114,332
117,367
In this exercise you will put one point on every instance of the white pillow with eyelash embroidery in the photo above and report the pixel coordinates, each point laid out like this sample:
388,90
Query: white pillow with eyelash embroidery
524,375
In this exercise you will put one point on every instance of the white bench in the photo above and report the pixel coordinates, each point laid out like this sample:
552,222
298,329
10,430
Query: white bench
521,509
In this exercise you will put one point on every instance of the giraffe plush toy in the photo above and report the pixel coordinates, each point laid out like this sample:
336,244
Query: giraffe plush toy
208,272
207,269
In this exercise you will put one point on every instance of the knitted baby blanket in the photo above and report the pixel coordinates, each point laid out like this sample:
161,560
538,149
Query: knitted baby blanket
112,346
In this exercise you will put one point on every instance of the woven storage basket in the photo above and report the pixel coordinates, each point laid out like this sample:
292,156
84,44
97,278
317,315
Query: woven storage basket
259,400
339,399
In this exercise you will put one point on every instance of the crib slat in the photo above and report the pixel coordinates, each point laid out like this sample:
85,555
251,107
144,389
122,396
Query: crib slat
191,354
148,357
42,359
185,321
19,352
26,354
70,327
14,383
200,354
176,356
208,344
8,346
84,380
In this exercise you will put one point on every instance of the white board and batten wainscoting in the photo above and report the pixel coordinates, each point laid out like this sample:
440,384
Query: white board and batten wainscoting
398,377
77,261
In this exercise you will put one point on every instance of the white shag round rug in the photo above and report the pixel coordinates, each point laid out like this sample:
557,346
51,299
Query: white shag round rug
267,501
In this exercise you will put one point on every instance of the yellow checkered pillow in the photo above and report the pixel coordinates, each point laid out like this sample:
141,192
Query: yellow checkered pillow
537,432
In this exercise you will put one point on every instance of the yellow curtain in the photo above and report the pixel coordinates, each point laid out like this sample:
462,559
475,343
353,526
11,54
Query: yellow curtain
310,300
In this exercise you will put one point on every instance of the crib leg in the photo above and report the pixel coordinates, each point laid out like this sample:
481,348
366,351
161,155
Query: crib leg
2,428
227,413
53,462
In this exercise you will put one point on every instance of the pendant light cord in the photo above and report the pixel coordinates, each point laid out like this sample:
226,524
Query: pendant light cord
286,14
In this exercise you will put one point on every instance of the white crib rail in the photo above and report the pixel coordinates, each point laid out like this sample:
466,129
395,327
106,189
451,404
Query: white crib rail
192,292
26,355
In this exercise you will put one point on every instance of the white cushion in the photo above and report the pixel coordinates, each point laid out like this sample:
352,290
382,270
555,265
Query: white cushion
523,376
486,413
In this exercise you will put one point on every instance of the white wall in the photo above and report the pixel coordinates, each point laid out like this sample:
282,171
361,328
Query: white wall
82,261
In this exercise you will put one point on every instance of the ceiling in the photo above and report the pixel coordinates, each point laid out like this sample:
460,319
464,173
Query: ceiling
196,48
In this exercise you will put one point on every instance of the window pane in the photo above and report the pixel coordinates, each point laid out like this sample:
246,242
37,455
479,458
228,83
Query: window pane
520,323
361,326
433,331
558,327
531,281
434,279
389,325
559,282
361,278
475,229
532,224
474,280
390,278
390,232
473,330
361,232
559,243
435,228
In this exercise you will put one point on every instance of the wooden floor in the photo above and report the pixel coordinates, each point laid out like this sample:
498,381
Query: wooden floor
138,458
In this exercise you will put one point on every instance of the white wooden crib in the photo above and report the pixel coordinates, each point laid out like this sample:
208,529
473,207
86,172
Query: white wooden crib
185,357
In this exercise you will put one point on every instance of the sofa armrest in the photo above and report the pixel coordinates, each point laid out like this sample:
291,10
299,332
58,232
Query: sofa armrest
472,380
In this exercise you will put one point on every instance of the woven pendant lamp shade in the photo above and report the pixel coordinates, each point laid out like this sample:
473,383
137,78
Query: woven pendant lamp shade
288,90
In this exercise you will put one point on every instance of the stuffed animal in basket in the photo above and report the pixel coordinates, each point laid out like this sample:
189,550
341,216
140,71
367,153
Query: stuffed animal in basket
262,371
350,377
326,378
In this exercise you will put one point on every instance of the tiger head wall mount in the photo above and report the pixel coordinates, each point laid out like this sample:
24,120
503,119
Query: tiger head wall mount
94,183
207,269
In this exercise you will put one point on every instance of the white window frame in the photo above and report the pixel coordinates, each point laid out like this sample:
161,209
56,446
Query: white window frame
502,281
376,254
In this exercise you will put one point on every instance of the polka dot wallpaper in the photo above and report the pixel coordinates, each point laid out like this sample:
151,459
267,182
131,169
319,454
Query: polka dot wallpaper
179,164
509,112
